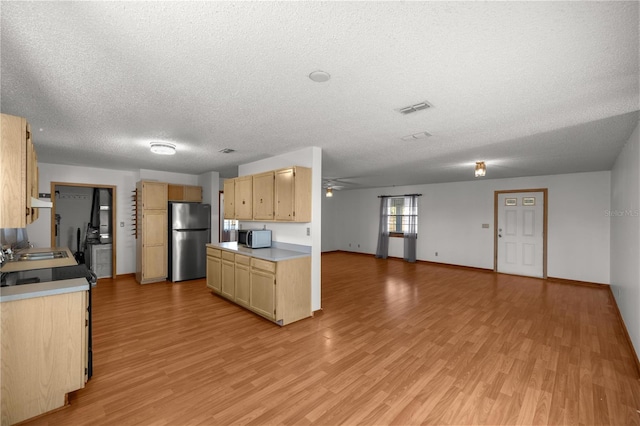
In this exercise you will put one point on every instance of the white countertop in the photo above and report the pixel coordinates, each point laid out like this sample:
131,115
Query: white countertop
50,288
273,254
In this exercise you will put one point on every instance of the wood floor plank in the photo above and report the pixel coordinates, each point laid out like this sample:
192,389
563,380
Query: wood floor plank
396,343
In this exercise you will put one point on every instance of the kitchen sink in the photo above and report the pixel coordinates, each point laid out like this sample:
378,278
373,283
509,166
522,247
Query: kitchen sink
45,255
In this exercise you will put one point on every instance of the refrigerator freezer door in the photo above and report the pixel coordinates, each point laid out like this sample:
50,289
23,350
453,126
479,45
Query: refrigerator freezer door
190,216
189,254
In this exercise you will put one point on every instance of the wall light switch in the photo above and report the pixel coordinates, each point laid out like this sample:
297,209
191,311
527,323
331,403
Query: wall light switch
308,232
121,224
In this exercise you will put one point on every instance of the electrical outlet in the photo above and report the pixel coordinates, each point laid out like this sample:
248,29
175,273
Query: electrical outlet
436,254
308,232
349,244
485,225
121,224
358,245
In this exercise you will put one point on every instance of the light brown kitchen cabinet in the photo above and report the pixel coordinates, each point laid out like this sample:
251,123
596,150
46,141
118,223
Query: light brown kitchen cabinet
263,292
152,244
293,194
281,195
263,196
243,280
214,269
229,199
187,193
279,291
18,173
228,275
43,353
243,198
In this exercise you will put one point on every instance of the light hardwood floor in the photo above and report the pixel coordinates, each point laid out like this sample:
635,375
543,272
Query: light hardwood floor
396,343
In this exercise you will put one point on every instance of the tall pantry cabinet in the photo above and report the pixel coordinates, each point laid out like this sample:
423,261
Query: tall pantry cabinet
152,243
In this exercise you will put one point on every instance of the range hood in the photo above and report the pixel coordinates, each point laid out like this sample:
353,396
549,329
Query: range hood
41,204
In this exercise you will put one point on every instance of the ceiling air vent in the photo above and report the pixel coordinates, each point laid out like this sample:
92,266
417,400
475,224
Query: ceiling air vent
227,150
414,108
415,136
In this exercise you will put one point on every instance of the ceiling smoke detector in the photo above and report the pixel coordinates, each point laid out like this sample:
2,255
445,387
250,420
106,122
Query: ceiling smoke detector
414,108
227,150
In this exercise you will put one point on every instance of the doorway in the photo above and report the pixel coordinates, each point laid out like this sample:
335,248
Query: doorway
520,239
89,208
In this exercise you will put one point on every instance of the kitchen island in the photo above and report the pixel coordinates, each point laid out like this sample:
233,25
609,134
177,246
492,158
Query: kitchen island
274,282
44,339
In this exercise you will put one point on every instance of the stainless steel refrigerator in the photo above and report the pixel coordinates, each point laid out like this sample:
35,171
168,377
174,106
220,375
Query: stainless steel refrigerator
189,232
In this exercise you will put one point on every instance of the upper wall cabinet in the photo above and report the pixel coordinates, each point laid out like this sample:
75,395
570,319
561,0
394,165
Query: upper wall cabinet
18,173
263,196
293,194
229,199
244,197
187,193
280,195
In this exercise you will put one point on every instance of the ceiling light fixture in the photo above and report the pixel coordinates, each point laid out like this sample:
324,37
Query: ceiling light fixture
319,76
481,169
329,192
163,148
227,151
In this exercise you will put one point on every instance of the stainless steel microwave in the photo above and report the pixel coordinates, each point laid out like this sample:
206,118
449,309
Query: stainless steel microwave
254,238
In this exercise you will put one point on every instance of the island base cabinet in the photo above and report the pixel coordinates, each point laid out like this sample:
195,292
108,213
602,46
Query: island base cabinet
43,353
277,290
214,270
243,280
263,294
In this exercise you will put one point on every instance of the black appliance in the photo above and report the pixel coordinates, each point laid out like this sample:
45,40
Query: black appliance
32,276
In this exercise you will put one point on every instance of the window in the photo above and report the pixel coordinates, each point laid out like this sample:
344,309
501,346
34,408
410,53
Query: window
399,215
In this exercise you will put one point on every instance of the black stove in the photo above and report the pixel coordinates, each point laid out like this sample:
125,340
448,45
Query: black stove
32,276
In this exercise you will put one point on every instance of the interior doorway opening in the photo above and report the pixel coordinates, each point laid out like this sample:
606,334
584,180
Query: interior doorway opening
83,219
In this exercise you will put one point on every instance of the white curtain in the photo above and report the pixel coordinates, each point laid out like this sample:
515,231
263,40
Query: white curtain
383,230
411,230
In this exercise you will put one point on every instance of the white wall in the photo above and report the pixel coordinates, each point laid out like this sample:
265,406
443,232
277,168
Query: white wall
169,177
74,207
296,233
125,182
210,184
625,235
451,217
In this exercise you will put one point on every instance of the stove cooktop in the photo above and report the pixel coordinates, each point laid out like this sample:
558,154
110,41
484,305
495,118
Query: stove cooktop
32,276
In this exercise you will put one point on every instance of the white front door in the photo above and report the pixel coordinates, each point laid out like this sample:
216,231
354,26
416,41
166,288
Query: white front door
520,233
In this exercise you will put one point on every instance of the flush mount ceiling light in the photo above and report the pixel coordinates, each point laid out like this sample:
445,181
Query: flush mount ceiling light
163,148
481,169
414,108
329,192
319,76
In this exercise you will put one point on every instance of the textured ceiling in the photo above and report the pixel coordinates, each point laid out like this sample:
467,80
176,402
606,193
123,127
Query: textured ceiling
531,88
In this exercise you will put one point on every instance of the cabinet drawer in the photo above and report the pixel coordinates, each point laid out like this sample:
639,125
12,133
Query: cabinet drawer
243,260
213,252
265,265
228,256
